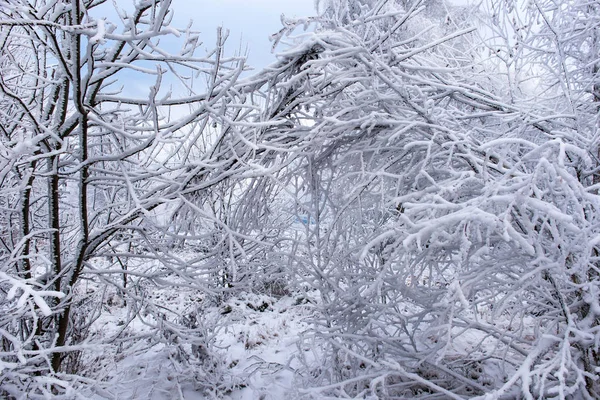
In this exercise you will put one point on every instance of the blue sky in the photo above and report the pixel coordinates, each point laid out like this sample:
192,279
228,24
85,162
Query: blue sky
250,22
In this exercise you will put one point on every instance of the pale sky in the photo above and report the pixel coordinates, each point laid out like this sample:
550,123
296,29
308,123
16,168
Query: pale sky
250,22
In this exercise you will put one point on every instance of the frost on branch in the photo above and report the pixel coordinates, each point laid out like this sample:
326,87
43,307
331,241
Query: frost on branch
27,294
453,228
433,194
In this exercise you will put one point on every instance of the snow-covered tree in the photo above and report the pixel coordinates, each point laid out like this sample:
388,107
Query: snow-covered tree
438,193
91,168
451,232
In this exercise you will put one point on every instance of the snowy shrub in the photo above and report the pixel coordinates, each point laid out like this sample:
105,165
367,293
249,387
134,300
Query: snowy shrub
454,237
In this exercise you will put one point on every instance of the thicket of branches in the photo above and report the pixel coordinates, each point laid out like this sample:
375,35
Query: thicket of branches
91,171
443,162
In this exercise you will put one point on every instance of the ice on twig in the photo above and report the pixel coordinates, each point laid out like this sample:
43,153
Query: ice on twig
29,292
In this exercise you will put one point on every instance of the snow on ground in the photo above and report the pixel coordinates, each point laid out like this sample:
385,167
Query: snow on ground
255,337
255,346
261,342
